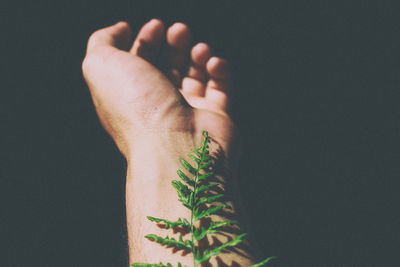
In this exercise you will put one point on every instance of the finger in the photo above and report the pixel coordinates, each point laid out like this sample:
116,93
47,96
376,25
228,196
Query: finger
218,86
194,82
117,35
178,40
149,39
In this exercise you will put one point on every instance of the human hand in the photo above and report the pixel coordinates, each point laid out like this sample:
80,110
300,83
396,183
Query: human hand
157,86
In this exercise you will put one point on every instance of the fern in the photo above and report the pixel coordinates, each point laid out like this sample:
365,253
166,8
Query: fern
191,194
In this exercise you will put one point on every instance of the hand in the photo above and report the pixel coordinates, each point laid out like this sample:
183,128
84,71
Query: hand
157,86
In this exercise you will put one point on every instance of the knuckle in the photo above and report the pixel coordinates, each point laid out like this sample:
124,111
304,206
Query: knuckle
94,37
87,62
84,64
90,43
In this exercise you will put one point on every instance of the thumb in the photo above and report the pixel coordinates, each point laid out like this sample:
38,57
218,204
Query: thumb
117,35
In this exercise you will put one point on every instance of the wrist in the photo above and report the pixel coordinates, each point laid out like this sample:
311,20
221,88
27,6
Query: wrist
165,145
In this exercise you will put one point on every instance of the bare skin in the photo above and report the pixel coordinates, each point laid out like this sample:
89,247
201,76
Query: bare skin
154,96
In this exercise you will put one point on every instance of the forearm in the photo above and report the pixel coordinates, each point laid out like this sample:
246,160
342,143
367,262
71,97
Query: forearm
152,166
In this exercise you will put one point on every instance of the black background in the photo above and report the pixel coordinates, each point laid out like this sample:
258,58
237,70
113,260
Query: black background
316,100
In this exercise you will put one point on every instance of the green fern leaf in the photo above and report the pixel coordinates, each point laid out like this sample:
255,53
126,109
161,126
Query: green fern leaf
203,188
187,242
198,235
209,253
186,221
197,151
194,158
185,201
187,166
197,256
181,188
205,165
207,200
168,241
138,264
186,179
263,262
206,157
199,215
205,176
222,224
170,224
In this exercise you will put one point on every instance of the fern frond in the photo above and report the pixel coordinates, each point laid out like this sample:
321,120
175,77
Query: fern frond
138,264
203,188
181,188
206,157
170,241
205,165
187,166
195,183
207,212
200,234
205,176
170,224
194,158
222,224
263,262
185,200
186,179
209,253
207,200
197,151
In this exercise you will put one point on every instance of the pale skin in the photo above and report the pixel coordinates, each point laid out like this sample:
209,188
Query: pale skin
154,96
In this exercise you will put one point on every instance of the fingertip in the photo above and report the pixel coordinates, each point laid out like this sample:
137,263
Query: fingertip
218,68
200,54
155,23
117,35
121,23
121,28
179,26
178,35
149,39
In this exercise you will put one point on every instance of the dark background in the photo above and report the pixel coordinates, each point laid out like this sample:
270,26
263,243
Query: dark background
316,100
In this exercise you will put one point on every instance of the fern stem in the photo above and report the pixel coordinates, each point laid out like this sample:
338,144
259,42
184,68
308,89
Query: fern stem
196,181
